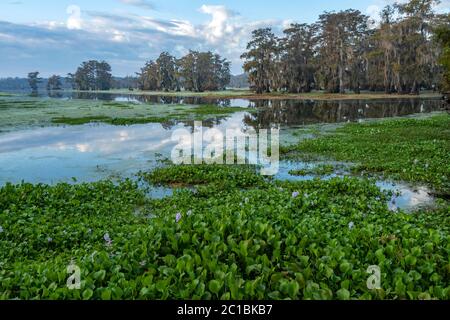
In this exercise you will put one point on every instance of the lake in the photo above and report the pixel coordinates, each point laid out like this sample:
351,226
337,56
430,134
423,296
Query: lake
47,153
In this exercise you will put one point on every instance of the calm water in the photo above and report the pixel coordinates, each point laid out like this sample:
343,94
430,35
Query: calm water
96,151
286,112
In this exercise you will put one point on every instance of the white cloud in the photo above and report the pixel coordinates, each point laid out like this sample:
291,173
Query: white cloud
220,24
125,40
119,36
140,3
74,21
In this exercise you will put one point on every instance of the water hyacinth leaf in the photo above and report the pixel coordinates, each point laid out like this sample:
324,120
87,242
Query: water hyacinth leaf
215,286
87,294
343,294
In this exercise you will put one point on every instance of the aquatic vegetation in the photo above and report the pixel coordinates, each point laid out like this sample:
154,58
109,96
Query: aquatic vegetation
416,150
246,242
24,112
201,112
109,120
214,109
223,177
81,120
227,232
320,170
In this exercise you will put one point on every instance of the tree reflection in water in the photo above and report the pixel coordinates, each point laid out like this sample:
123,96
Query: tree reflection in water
288,112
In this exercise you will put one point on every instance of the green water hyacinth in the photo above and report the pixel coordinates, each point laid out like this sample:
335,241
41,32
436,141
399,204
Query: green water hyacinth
415,150
270,247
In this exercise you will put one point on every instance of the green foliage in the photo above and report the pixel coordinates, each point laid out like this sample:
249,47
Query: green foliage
221,177
54,83
109,120
33,81
443,37
341,52
201,112
196,72
411,150
204,71
253,243
320,170
92,75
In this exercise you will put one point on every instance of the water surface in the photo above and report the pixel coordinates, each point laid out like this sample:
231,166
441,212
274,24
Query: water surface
92,152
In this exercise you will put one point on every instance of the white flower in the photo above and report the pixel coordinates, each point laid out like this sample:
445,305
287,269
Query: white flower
189,213
1,229
49,240
106,237
351,225
108,240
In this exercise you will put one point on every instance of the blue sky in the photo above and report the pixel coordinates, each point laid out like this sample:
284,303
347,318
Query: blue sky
54,37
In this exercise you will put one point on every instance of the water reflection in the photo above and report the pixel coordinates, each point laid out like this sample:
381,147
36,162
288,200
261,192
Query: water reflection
154,99
287,112
96,151
291,112
90,152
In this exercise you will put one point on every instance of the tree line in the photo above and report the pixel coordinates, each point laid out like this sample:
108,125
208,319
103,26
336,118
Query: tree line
92,75
196,71
341,52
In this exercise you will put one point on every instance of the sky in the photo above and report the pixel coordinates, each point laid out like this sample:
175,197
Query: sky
55,36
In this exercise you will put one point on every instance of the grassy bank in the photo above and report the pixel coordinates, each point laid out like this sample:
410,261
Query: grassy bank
416,150
253,239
